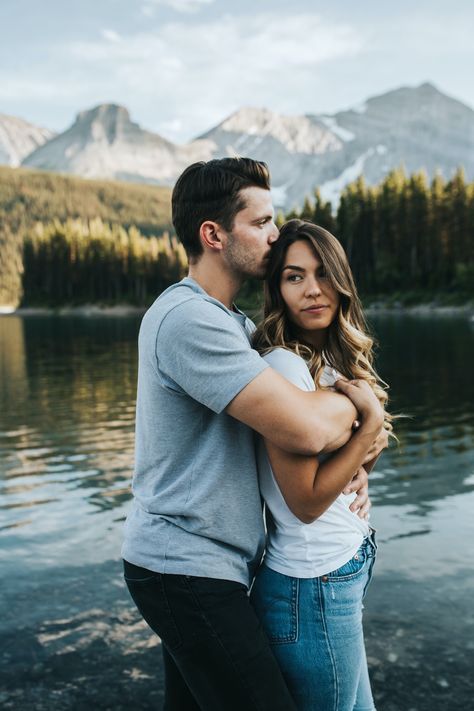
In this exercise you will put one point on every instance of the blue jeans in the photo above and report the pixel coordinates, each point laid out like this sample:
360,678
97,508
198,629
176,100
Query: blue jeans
315,630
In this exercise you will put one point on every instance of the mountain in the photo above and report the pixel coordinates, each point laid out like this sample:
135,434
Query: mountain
18,138
103,142
419,127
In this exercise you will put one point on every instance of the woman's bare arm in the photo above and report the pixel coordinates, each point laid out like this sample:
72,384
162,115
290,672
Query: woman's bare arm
308,487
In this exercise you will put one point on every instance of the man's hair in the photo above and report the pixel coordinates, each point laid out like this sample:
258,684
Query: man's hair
211,191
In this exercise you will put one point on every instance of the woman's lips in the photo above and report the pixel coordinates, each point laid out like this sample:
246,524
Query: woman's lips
315,309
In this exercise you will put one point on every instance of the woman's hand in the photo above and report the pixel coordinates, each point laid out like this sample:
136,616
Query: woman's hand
364,399
360,484
379,444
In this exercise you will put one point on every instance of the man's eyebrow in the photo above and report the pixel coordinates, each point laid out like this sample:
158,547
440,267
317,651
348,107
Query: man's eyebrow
293,266
264,218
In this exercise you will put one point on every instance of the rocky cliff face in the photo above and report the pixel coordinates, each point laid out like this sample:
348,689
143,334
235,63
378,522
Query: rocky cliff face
420,128
18,138
103,142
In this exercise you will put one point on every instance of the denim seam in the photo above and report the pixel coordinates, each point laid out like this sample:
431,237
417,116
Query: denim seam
139,580
292,637
351,576
169,611
322,607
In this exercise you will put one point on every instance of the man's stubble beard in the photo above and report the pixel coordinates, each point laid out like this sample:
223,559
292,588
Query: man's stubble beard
238,261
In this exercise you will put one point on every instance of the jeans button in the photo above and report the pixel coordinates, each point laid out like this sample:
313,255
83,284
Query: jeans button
356,557
324,578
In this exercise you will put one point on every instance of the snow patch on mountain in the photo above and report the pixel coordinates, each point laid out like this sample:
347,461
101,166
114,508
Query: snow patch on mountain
279,194
343,133
332,189
297,134
360,108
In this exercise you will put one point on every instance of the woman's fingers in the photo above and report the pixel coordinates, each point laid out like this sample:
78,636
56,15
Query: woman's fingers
358,481
360,500
364,510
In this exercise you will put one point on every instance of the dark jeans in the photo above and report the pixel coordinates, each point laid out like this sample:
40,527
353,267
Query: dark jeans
216,655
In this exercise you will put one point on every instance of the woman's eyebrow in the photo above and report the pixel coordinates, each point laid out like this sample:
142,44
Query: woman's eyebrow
293,266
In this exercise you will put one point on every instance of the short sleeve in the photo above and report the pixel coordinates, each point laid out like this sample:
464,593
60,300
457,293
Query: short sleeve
206,353
291,366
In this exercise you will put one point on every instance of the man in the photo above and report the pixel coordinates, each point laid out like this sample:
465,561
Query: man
195,534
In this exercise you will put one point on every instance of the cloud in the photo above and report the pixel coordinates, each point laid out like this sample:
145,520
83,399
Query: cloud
111,36
148,8
198,72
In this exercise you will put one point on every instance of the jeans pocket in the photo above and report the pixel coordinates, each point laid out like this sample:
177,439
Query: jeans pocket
148,593
350,570
275,599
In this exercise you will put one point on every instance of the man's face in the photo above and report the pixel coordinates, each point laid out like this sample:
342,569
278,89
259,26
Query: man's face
248,244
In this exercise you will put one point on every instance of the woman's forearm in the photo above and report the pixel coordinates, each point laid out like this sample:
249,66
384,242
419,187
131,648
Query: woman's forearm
333,475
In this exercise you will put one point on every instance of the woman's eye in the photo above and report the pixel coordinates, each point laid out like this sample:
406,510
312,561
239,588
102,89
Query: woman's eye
294,277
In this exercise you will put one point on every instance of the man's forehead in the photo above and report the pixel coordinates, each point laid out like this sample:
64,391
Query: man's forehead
257,199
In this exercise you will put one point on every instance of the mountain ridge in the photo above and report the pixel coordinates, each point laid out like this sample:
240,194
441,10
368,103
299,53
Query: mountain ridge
420,127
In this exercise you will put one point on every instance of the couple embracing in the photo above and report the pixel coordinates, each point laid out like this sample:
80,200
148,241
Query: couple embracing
292,412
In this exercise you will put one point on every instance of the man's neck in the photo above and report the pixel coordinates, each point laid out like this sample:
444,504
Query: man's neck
217,283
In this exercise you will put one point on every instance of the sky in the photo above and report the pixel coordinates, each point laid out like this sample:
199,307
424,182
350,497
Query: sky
182,66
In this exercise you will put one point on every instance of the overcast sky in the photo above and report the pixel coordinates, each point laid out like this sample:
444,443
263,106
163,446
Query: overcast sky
181,66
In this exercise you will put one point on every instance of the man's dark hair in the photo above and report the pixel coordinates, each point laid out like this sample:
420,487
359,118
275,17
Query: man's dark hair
211,191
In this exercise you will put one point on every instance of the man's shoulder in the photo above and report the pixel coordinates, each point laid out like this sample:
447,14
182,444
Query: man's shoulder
185,301
185,309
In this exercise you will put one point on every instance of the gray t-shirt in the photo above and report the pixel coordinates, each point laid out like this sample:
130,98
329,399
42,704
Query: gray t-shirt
197,508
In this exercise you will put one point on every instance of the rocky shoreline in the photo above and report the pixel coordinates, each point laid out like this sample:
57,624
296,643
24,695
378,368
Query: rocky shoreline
372,309
82,645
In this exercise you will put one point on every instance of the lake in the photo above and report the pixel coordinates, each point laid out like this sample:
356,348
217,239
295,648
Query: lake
70,636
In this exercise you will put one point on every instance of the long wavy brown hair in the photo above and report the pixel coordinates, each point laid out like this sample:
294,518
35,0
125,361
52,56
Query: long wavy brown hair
348,347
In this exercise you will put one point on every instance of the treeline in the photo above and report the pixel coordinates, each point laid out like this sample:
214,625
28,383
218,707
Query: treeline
37,206
30,196
80,261
405,236
69,241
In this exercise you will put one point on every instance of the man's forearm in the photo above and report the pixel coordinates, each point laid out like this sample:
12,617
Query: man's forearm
335,417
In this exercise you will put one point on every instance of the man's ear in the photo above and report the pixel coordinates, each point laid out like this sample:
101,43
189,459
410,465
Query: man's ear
211,235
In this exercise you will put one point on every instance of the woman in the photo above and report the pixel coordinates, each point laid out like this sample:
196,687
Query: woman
320,553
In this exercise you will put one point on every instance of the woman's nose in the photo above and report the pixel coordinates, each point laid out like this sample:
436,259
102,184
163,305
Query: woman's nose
313,288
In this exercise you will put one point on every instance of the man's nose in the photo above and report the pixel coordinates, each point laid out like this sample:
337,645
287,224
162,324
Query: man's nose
274,234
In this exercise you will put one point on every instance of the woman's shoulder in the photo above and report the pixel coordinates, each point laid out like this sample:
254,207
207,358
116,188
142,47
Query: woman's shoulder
292,366
284,356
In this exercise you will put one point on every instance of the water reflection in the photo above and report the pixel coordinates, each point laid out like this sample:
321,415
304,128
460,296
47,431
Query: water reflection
427,362
66,425
67,395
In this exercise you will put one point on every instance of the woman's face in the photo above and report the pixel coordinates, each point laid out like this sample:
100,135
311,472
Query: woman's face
311,301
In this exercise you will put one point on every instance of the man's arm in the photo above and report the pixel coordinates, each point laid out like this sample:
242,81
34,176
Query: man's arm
294,420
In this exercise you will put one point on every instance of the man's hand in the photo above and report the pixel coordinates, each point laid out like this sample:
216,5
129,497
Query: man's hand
360,484
379,444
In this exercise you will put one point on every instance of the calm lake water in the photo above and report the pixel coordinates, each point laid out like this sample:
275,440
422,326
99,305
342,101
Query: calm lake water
70,637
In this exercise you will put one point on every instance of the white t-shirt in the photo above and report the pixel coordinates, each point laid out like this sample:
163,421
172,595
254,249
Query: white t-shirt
294,548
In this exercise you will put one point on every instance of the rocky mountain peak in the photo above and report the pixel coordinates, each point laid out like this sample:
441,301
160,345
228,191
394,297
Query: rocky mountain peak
419,127
298,134
18,138
108,122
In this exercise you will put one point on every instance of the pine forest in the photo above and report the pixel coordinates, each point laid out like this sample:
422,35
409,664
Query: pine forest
68,241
